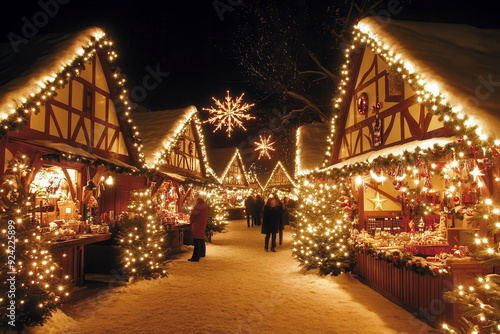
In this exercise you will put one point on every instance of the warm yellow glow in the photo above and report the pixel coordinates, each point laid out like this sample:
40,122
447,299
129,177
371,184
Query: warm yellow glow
264,145
229,114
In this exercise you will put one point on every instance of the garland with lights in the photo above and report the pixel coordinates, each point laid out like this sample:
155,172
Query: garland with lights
142,238
36,289
20,116
402,260
480,301
321,236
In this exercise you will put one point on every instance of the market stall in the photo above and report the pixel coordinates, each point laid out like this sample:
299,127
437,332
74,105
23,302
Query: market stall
174,148
81,149
228,168
411,161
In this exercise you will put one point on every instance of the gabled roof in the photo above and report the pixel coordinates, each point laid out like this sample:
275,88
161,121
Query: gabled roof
279,166
160,130
221,159
36,63
31,72
311,144
458,61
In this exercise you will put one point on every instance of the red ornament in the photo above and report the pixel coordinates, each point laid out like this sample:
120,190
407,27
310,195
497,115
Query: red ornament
418,264
363,104
408,264
395,182
396,258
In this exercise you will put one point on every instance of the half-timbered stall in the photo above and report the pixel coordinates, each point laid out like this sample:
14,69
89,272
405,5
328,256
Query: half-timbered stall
63,107
413,148
228,168
279,181
174,147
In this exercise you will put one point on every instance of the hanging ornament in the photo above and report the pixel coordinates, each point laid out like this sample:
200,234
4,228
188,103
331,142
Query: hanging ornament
363,104
377,131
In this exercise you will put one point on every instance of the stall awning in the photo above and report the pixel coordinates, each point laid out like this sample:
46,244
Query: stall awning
68,149
395,150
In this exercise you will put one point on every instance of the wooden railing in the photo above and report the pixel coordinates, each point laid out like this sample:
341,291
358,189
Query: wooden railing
421,295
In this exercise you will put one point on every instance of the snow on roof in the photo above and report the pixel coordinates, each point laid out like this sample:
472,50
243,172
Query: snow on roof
159,129
220,158
278,166
459,61
311,143
395,150
26,72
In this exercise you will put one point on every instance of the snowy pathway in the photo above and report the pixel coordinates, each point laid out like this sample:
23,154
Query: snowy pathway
238,288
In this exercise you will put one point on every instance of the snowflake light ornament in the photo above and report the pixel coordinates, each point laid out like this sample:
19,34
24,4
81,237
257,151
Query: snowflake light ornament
229,113
264,146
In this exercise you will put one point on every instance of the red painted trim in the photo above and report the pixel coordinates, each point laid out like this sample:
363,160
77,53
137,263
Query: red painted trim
113,139
50,111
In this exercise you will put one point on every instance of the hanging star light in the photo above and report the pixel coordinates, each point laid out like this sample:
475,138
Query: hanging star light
476,172
264,146
229,113
377,202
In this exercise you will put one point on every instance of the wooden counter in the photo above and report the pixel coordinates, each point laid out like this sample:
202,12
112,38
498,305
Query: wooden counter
421,295
71,255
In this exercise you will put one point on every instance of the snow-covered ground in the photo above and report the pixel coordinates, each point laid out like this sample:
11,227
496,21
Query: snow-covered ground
238,288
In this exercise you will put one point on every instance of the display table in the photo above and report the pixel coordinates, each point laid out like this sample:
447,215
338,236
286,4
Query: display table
71,255
428,250
175,238
236,213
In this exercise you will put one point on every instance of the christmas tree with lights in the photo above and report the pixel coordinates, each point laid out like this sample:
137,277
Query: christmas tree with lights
29,275
142,238
324,220
217,213
480,301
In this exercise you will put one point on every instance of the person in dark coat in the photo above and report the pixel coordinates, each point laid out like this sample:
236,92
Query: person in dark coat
198,219
259,203
270,224
279,208
250,208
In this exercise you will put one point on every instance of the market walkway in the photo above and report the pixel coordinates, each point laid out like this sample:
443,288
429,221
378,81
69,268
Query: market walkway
239,288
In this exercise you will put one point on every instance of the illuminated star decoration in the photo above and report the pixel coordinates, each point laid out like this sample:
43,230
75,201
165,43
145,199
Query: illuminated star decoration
264,146
229,113
377,202
476,173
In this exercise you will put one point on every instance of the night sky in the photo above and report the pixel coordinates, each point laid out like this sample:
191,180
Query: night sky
189,40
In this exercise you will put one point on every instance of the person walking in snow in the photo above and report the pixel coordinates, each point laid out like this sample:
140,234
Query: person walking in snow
250,208
270,224
279,208
198,220
259,203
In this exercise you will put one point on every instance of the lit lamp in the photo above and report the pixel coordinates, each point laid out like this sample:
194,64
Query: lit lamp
109,181
68,213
